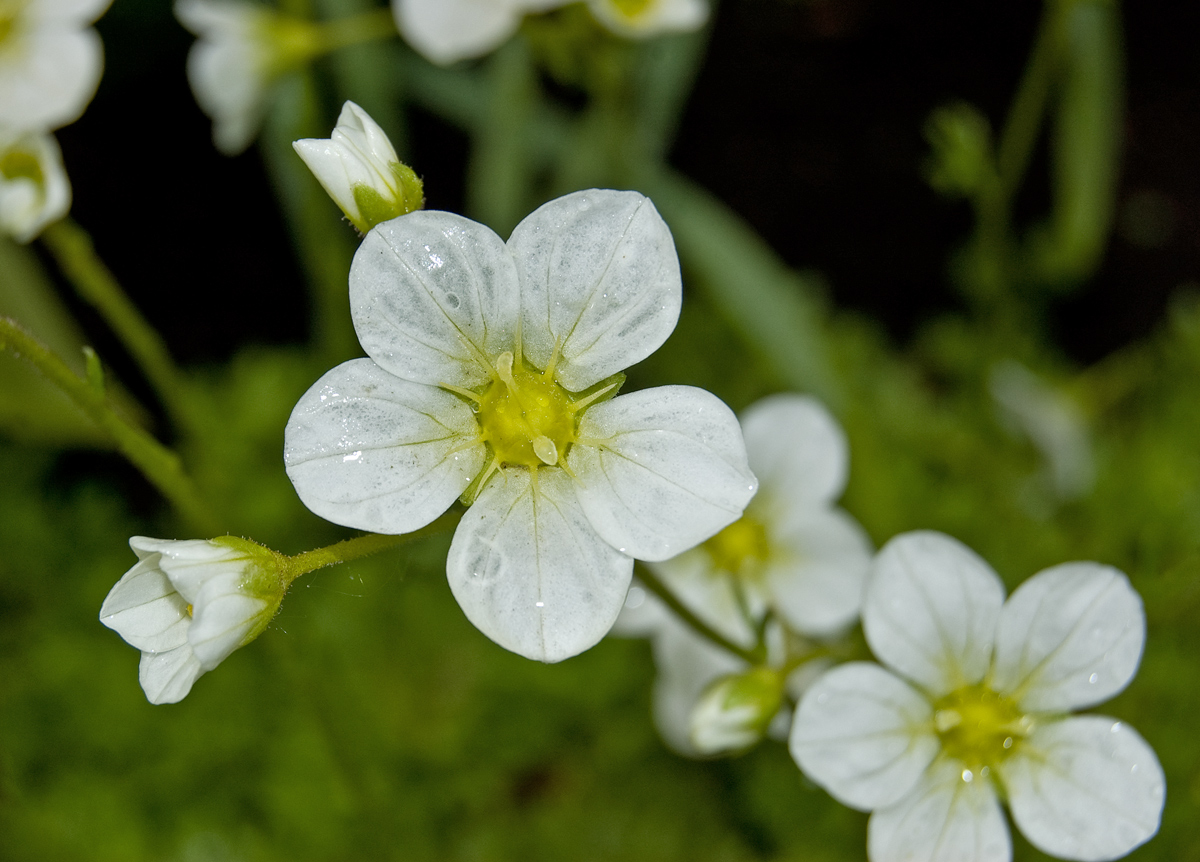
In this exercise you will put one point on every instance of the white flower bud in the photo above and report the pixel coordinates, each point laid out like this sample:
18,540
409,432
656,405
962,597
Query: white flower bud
360,170
734,712
33,185
188,604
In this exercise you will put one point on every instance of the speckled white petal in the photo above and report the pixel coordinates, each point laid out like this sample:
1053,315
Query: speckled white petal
930,610
1086,788
864,735
371,451
223,619
818,565
48,78
661,470
944,819
193,563
446,31
167,677
599,277
1069,637
435,298
797,449
686,665
530,572
146,610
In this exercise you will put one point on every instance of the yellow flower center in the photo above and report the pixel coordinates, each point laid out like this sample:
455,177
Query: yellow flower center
739,549
10,12
526,417
631,9
20,164
979,727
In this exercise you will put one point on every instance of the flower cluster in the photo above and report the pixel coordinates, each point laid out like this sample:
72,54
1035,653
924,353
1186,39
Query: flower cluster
973,706
493,377
50,65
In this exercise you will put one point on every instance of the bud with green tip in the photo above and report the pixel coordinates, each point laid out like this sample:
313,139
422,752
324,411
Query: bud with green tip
961,162
188,604
360,170
733,713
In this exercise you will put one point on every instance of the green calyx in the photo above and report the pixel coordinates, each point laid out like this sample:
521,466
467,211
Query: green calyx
373,207
979,727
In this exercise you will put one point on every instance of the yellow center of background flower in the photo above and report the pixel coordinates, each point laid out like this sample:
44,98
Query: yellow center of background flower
526,417
740,548
979,727
631,8
18,164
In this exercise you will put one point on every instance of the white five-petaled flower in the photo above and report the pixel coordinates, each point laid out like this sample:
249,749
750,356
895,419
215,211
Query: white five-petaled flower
50,61
792,553
34,190
975,706
358,167
188,604
491,374
241,49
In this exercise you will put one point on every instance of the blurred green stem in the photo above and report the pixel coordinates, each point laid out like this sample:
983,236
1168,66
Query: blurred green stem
157,463
363,546
356,29
75,253
651,582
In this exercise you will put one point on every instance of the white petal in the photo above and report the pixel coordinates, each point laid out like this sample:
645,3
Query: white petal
1069,637
712,596
434,298
222,621
930,610
337,169
797,449
77,12
686,665
27,206
371,451
167,677
530,572
192,564
1086,788
643,614
146,610
356,128
864,735
818,565
48,78
944,819
599,279
446,31
661,470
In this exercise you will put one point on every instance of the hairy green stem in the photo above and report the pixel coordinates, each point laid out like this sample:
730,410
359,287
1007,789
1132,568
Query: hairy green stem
651,582
156,462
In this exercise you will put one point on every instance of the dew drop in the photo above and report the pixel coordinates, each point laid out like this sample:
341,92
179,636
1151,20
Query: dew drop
1008,742
821,698
539,604
968,776
1093,678
636,597
1116,728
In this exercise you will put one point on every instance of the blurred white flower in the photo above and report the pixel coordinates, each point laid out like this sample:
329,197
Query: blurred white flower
50,61
446,31
34,190
358,167
793,553
188,604
642,18
241,49
975,705
490,373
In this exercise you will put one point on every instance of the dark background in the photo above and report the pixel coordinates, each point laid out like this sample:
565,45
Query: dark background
806,119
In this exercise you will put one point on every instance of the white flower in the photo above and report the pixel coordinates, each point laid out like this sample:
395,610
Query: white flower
241,50
188,604
34,190
977,706
733,712
642,18
792,553
50,61
358,167
446,31
491,365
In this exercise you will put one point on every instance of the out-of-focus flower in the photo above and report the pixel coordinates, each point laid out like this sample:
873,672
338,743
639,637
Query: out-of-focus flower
188,604
733,713
491,378
976,701
446,31
34,190
50,61
358,167
641,18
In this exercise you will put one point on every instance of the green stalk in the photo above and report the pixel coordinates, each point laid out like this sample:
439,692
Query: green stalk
651,582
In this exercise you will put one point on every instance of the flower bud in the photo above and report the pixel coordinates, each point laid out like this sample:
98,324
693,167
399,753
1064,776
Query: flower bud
33,185
961,139
360,170
733,712
188,604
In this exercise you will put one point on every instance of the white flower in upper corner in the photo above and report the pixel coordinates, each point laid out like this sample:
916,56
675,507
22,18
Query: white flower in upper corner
491,377
358,167
793,553
188,604
241,50
34,190
446,31
50,61
642,18
975,706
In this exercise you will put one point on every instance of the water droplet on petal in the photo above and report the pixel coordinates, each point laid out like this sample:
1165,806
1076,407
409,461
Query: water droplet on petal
1093,678
539,604
968,776
1116,728
1008,742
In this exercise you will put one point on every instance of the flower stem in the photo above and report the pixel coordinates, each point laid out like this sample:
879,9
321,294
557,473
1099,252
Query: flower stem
651,582
362,546
354,30
76,256
156,462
